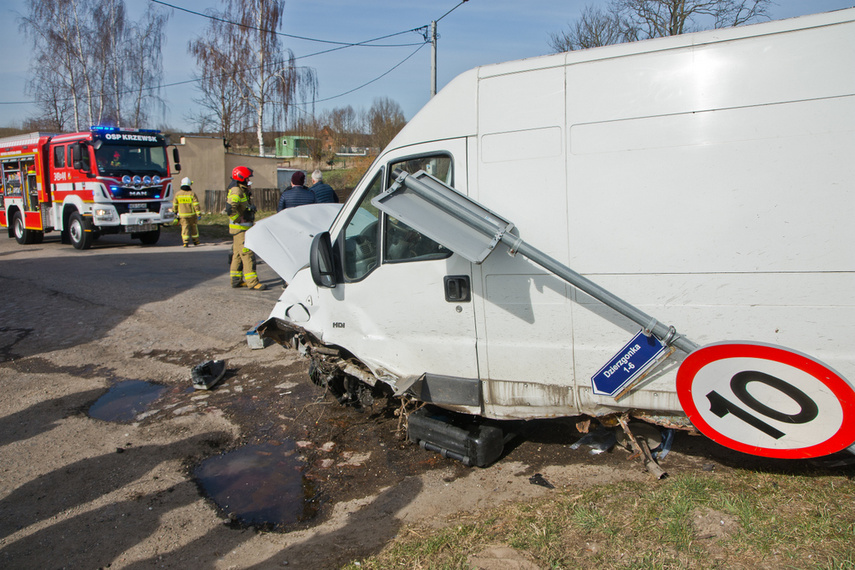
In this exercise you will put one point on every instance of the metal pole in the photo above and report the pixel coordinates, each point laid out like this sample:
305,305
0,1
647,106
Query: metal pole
433,58
489,228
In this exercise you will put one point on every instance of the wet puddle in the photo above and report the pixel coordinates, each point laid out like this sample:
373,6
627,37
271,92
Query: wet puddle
125,401
259,485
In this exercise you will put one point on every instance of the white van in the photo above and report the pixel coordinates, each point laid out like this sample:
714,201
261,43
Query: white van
708,179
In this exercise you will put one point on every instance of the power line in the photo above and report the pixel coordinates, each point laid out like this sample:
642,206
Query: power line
366,43
340,45
462,2
390,70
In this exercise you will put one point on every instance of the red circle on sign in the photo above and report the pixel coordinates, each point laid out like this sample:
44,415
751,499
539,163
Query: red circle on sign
840,388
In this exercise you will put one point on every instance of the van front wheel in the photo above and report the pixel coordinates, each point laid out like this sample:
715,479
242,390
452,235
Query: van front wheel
80,238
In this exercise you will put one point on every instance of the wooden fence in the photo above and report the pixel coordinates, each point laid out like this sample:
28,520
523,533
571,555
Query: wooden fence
265,199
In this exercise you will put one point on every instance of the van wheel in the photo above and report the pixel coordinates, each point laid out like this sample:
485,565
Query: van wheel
80,238
22,234
150,238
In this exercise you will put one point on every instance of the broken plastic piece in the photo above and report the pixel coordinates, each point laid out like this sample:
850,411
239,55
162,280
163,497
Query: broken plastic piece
600,440
208,374
537,479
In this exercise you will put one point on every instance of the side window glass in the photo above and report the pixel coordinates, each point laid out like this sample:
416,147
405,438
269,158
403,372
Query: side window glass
360,236
68,157
59,157
80,153
400,241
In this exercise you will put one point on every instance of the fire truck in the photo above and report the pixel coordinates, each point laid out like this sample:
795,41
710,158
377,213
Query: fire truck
103,181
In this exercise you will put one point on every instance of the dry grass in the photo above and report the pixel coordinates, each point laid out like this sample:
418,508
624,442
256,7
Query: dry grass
740,519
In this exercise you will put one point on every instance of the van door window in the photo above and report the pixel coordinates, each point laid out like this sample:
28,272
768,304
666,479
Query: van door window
400,241
361,250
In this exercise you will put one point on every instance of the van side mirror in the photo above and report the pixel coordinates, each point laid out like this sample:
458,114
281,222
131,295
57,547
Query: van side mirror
321,262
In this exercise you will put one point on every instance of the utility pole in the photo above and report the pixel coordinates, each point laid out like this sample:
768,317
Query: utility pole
433,58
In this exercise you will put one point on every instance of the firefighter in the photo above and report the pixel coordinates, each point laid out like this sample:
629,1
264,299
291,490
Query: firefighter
186,207
241,213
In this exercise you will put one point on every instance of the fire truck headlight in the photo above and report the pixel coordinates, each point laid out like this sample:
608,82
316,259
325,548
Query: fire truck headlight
147,180
157,180
104,214
137,180
126,180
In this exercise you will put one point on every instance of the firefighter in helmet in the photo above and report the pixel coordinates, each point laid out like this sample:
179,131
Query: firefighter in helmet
241,213
186,207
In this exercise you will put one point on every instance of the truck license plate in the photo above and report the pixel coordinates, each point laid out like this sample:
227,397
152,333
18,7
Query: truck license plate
137,206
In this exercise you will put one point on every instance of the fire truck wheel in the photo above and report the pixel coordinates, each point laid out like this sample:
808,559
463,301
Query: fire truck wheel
22,234
80,238
150,238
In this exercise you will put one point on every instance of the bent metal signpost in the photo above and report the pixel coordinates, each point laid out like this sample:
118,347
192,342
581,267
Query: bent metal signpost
755,398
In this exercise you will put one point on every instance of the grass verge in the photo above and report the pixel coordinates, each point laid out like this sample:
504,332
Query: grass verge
738,519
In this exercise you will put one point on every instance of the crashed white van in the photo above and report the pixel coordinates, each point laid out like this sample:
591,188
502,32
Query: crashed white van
668,214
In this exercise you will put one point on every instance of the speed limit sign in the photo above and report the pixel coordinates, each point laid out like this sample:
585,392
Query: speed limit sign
767,400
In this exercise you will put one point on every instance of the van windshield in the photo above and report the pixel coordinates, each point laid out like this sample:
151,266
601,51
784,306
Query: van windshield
121,159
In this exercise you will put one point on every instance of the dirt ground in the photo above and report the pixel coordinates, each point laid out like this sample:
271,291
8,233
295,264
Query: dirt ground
78,492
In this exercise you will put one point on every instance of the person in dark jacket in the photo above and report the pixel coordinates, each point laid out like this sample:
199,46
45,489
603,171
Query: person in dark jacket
323,192
297,194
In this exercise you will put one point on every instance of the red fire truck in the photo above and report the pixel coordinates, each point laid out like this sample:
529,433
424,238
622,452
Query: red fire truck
103,181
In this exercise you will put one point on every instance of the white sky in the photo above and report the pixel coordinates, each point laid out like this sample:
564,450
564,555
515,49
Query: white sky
478,32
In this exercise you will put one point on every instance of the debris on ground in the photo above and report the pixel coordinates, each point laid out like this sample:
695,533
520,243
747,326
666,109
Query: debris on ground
208,374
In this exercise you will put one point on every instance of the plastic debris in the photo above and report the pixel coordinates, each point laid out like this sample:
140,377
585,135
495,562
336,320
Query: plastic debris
208,374
537,479
662,451
600,440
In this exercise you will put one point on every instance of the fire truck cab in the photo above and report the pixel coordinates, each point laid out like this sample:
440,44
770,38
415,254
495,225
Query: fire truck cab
103,181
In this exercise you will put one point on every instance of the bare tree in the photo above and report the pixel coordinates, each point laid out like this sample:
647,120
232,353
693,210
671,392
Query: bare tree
385,119
91,52
263,74
111,66
630,20
595,28
52,24
219,87
54,103
144,60
345,125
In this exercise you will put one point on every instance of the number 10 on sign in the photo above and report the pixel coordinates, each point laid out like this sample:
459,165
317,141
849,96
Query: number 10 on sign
767,400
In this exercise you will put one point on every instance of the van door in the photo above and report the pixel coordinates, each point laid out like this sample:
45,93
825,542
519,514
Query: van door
405,307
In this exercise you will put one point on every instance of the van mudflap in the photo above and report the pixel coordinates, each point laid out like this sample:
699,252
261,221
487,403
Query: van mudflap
467,439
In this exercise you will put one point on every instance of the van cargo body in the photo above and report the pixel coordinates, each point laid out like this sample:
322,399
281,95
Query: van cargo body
708,179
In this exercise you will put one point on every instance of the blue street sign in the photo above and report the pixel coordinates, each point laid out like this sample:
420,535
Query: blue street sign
631,361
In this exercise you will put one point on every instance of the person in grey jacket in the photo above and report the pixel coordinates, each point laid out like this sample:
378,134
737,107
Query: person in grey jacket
323,192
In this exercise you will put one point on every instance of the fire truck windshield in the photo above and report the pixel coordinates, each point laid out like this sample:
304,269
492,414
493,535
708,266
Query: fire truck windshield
120,159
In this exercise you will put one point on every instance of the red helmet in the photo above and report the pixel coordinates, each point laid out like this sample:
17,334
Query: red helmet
241,173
